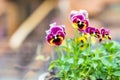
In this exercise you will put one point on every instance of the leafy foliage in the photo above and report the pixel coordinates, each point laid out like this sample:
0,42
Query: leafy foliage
96,61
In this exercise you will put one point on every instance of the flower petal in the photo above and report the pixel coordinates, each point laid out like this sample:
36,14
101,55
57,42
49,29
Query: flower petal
85,13
72,13
56,34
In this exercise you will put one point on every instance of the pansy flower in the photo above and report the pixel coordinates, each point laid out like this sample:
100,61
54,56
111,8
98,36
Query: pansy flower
97,33
82,41
79,19
105,33
93,31
56,34
90,30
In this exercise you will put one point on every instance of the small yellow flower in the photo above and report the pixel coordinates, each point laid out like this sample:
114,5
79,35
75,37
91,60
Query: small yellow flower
82,41
86,36
92,38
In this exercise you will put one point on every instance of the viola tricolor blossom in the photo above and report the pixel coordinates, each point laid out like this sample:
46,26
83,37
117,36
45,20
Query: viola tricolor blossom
97,33
105,33
90,30
82,41
79,19
56,34
93,31
100,34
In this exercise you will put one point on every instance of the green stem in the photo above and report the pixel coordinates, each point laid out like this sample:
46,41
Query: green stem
76,33
89,45
87,60
57,50
75,46
60,52
88,71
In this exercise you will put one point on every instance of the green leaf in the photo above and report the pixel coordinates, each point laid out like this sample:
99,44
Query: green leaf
108,45
116,73
70,60
105,61
72,75
92,77
52,66
112,46
66,68
80,61
94,65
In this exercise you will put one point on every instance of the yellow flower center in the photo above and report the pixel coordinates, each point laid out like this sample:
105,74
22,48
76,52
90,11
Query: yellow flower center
57,40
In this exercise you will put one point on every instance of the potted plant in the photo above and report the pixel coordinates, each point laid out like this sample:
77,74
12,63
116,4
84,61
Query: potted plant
89,55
